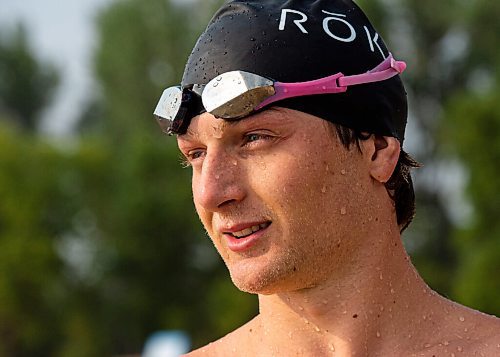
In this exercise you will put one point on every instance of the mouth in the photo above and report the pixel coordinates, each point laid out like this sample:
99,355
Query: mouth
249,231
242,237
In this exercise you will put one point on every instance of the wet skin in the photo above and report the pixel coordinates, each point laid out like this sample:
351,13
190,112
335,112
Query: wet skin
286,170
320,244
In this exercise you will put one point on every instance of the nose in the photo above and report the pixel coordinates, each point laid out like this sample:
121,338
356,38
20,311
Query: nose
219,183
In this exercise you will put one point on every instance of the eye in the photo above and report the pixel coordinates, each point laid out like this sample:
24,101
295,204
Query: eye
195,154
253,137
191,157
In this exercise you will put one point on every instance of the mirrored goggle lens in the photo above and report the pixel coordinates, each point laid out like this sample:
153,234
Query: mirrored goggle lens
168,111
236,94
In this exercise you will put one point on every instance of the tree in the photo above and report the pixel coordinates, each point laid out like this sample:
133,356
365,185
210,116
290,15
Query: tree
26,83
471,130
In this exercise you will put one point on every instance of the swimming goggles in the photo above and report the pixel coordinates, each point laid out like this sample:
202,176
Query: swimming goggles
234,95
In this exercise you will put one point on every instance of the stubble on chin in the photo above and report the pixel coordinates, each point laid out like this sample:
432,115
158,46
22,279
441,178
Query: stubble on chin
269,275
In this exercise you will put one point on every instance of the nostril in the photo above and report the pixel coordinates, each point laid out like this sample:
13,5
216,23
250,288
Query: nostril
227,203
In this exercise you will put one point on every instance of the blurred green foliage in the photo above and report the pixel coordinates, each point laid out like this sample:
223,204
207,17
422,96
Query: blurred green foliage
99,242
26,83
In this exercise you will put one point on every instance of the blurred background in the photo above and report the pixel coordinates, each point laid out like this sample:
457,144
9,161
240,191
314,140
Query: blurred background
100,247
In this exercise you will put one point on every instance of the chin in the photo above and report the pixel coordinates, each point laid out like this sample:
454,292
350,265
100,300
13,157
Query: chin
264,279
254,286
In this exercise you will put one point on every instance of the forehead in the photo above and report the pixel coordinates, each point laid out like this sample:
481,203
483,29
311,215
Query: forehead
206,126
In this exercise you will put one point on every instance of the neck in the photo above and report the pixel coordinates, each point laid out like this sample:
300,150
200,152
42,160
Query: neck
366,307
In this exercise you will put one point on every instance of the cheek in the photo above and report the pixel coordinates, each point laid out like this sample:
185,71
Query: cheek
203,214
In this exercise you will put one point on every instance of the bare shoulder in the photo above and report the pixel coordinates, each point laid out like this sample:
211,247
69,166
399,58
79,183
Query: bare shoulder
238,340
476,333
484,337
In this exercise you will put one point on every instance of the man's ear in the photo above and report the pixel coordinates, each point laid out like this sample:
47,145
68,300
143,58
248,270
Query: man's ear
384,152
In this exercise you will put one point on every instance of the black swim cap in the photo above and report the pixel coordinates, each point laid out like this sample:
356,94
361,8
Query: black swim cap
297,41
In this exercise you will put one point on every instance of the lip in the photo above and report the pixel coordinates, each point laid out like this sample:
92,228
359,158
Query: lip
243,244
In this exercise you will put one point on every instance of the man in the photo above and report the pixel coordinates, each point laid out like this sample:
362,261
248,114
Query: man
292,116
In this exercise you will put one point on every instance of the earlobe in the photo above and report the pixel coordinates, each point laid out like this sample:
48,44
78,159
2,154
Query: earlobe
385,155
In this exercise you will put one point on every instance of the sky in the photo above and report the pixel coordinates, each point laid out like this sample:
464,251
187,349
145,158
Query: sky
60,32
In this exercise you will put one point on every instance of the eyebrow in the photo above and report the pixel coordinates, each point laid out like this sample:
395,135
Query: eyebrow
257,116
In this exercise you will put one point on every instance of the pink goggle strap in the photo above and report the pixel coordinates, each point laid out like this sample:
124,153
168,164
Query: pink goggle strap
336,83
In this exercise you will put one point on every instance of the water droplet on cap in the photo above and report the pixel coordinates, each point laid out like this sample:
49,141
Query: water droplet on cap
343,211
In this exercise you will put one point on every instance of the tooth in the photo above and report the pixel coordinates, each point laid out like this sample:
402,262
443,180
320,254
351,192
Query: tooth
255,228
247,231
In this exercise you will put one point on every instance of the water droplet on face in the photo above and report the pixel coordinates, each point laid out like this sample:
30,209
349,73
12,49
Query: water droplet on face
316,328
378,334
459,349
343,211
461,318
343,172
323,189
381,277
332,348
325,302
301,308
446,343
217,176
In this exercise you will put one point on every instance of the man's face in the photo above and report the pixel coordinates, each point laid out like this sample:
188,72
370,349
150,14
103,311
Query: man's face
279,196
